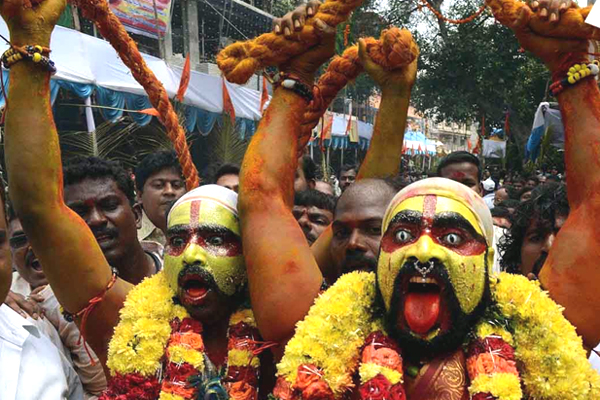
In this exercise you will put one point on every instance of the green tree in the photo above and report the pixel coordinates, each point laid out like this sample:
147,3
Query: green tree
472,71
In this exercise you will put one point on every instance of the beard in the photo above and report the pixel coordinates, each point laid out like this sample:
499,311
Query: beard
357,261
452,333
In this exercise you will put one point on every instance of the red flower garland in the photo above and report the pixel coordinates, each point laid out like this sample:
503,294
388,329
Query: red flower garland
241,382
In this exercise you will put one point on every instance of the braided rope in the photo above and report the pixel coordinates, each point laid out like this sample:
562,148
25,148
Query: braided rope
111,28
240,60
439,15
572,22
395,49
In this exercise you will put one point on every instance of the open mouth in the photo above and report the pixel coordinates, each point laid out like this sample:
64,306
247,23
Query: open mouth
35,264
422,304
195,289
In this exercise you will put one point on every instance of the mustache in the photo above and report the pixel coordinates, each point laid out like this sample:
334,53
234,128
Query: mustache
106,231
354,259
207,278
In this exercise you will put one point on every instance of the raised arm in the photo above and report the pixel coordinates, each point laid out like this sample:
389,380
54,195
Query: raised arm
571,272
72,260
284,277
385,151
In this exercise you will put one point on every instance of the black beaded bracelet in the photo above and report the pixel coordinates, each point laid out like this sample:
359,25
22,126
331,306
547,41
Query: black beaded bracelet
299,88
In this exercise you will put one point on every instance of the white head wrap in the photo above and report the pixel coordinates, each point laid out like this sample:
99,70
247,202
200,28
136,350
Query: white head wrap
217,194
446,188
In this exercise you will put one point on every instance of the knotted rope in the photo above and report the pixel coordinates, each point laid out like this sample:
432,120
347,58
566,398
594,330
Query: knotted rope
395,49
572,22
240,60
111,28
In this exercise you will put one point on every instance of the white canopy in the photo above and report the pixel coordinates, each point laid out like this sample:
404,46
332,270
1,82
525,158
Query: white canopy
85,59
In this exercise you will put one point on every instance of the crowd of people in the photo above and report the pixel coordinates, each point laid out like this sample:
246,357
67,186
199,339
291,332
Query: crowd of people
270,281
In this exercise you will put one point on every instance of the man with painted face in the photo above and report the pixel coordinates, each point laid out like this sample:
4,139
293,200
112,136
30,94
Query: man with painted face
174,325
433,270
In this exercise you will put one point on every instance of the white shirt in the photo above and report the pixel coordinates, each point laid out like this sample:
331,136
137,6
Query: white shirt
489,200
31,367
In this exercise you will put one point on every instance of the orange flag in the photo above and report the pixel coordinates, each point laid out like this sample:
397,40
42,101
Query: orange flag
227,104
150,111
264,97
185,79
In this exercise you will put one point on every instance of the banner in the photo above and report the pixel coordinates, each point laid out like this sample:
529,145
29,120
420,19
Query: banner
494,148
144,17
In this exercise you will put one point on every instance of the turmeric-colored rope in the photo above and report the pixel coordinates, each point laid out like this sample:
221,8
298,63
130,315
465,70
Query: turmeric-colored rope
439,15
111,28
240,60
395,49
572,21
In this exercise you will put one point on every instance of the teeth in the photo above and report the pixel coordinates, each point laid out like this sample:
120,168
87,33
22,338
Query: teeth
420,279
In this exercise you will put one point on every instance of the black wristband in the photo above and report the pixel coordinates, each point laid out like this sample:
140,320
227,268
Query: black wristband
299,88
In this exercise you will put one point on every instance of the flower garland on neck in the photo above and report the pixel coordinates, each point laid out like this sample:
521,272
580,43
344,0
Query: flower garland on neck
157,351
342,335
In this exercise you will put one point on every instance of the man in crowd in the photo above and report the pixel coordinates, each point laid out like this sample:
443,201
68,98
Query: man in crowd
325,187
353,241
488,192
79,237
31,366
29,282
500,195
228,175
347,176
159,184
314,212
102,194
463,167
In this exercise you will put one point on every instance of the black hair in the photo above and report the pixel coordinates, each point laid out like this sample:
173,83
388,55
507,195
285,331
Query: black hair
547,202
510,203
225,169
460,157
524,190
309,168
534,179
513,193
348,167
154,163
81,168
553,178
500,212
314,198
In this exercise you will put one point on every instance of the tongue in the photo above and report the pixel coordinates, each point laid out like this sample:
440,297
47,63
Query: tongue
421,311
196,291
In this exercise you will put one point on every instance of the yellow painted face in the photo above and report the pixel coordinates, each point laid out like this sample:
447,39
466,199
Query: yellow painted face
205,234
433,230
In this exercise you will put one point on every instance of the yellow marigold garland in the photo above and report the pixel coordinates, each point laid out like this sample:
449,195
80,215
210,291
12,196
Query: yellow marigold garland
139,341
333,331
554,362
368,371
502,386
152,326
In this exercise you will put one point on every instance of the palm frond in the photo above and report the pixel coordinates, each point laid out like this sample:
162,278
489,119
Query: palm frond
225,144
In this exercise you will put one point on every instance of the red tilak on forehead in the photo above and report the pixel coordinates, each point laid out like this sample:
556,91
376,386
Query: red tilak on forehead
195,211
429,205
